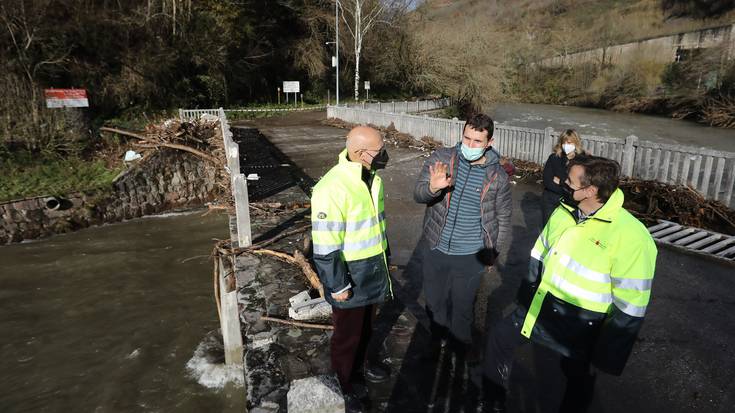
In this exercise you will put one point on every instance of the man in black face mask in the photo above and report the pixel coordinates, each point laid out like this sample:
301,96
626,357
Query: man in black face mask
348,229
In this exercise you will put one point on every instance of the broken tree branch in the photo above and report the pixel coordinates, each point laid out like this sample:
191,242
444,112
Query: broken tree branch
297,323
299,260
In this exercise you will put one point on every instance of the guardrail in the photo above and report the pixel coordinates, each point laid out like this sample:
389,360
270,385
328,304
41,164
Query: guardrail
710,172
403,107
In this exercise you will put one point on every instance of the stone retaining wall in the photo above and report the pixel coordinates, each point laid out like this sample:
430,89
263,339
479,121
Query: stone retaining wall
166,180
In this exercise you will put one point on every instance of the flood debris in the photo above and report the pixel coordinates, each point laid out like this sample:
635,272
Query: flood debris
650,201
304,307
391,136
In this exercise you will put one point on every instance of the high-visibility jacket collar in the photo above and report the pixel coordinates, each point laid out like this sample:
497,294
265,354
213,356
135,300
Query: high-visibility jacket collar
609,210
351,168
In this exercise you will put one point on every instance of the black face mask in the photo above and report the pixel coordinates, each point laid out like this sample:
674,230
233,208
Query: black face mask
380,160
568,195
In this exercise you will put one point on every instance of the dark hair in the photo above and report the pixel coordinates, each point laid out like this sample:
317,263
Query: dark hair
598,171
481,122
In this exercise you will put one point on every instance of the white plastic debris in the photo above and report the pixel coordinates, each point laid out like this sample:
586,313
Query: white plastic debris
300,298
318,394
303,307
131,156
253,177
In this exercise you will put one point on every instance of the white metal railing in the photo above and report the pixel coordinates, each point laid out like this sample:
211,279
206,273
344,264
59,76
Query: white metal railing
393,107
402,107
710,172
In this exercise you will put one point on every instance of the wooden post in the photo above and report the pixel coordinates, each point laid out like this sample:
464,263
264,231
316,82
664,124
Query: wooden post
629,155
229,314
548,143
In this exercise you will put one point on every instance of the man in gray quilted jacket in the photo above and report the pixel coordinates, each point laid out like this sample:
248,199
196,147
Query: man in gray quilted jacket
466,226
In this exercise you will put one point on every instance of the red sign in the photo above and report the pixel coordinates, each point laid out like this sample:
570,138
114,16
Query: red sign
66,98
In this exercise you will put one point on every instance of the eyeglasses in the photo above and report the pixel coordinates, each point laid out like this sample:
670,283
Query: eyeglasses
373,150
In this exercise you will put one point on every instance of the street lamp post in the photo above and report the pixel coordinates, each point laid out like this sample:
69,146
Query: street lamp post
336,48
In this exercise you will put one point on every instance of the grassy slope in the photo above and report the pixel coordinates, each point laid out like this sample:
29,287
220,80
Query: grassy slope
54,177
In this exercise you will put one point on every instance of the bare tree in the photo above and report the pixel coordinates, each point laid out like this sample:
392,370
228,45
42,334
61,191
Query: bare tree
360,16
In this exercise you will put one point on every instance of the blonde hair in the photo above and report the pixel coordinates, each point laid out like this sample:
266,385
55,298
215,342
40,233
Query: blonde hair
571,136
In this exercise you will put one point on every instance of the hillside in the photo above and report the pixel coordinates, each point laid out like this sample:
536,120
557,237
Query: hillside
570,25
481,51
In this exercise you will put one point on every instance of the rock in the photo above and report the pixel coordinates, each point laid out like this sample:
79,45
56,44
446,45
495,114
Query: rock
319,394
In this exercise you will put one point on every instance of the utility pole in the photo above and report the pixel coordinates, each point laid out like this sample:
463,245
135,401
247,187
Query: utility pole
336,34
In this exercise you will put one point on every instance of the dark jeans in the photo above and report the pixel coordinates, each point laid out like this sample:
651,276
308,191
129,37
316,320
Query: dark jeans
503,340
353,328
450,288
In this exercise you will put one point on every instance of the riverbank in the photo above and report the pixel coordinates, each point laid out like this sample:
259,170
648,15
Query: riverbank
114,318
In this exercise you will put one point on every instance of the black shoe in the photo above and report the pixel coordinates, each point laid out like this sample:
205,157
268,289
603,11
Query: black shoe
494,397
492,407
360,389
432,351
353,403
376,372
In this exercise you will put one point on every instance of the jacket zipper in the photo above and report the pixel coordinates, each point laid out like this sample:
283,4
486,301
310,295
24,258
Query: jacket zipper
454,225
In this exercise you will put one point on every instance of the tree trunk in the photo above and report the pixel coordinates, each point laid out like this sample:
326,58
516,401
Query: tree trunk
357,75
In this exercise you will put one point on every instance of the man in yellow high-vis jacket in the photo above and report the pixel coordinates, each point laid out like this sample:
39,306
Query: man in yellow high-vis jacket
348,230
587,289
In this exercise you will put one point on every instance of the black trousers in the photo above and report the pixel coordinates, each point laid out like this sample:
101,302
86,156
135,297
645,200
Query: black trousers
450,287
503,340
353,328
549,202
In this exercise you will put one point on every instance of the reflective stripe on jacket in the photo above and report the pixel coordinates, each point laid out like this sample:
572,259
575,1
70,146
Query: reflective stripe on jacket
348,231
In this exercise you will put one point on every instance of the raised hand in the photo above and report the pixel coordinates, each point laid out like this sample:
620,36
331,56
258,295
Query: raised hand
439,179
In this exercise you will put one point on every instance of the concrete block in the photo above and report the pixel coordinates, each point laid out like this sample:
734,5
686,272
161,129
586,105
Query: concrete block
319,394
310,310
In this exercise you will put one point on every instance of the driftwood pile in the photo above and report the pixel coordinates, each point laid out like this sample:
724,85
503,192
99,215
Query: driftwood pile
200,137
392,136
651,200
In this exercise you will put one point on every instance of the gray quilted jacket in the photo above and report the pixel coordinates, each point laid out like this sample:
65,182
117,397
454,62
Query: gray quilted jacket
495,207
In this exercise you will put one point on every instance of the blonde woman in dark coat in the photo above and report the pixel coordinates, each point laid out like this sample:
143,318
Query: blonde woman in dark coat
555,170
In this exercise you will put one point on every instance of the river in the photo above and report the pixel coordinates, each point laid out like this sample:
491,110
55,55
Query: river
114,318
614,124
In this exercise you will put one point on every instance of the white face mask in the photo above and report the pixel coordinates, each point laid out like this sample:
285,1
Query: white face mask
568,147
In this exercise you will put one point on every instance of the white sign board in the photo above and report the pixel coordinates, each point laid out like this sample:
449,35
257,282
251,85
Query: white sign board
66,98
367,85
334,61
291,87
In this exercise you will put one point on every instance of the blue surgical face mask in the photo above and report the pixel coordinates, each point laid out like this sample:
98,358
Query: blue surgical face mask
472,154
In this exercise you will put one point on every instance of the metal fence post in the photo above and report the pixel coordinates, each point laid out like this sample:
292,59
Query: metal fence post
629,155
230,315
242,210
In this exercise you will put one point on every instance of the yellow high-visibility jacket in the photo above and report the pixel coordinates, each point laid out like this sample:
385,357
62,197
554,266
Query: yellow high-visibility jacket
589,284
348,231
